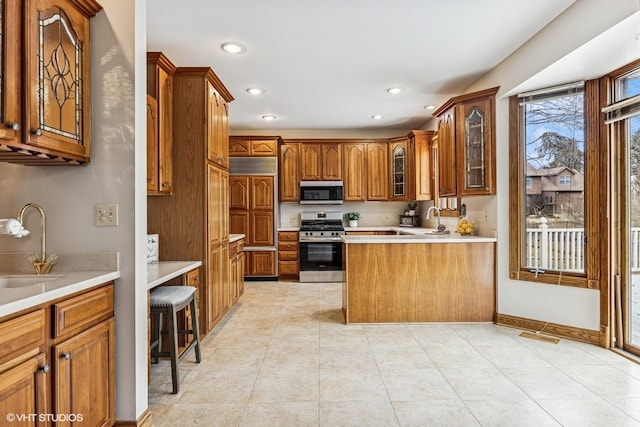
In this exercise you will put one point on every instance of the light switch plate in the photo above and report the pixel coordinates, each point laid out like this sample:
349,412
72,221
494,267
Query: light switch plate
107,215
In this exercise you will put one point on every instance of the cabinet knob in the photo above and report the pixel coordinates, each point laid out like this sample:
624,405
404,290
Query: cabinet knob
45,368
37,132
14,126
66,356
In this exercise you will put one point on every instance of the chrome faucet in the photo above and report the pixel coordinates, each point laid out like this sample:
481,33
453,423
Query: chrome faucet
44,264
440,227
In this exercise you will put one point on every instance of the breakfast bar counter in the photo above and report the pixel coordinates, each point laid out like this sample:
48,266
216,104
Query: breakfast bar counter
419,278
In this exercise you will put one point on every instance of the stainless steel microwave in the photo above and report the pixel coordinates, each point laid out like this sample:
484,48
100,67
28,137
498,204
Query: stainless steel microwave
321,192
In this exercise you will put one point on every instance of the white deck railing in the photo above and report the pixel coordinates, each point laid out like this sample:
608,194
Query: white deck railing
563,248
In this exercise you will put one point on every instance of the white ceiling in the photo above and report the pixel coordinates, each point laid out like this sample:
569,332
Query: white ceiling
327,64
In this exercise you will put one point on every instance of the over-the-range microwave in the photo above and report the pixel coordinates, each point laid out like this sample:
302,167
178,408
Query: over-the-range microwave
321,192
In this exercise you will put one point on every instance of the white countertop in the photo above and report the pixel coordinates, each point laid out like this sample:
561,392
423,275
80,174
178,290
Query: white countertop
288,228
411,235
163,271
53,286
235,237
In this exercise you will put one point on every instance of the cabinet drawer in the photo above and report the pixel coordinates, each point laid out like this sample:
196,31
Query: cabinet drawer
288,246
82,311
193,278
233,249
240,245
288,236
288,256
21,334
287,267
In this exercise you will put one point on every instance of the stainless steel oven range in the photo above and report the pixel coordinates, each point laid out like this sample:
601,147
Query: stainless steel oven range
321,247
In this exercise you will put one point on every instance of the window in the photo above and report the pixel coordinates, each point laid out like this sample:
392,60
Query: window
551,222
565,180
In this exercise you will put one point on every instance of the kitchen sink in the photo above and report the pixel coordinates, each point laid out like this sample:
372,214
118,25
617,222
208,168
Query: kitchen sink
23,280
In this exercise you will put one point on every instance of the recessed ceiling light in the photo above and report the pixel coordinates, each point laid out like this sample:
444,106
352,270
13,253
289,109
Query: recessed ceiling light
429,107
377,116
269,117
256,91
395,90
233,47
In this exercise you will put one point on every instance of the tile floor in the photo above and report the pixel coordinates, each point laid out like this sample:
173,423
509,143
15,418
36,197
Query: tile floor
283,357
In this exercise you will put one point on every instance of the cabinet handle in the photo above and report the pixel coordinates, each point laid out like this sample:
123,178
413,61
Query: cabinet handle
14,126
37,132
45,368
66,356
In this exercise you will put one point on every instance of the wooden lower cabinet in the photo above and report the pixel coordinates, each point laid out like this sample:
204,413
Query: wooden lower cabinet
260,263
288,262
63,366
236,270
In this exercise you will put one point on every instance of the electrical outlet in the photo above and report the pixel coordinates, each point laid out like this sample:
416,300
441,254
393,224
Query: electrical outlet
293,220
107,215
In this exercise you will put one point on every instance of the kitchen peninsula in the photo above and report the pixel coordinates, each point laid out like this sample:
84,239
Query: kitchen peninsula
419,278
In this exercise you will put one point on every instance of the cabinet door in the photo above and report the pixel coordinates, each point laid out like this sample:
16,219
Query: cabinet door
165,131
23,390
262,188
423,167
355,172
240,273
84,369
57,91
310,158
261,228
215,194
289,176
378,171
239,192
214,296
476,155
217,151
223,278
152,144
261,263
10,61
239,221
239,147
400,161
447,154
331,162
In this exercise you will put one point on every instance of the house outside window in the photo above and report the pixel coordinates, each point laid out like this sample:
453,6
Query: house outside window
564,180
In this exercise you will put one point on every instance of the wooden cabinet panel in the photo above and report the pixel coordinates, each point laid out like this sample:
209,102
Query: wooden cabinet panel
10,70
355,172
152,144
242,146
84,368
377,171
238,221
288,253
447,154
239,192
23,390
261,263
78,312
310,162
261,228
217,130
289,175
331,161
401,185
320,161
262,192
21,334
160,86
424,178
288,236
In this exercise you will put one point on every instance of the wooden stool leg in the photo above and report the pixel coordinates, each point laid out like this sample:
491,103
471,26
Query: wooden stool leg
173,350
157,337
196,330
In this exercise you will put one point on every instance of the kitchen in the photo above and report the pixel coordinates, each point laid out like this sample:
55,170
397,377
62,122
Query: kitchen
116,174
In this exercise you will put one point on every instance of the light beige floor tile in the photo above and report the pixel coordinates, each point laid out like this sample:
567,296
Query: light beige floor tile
348,358
292,357
416,384
586,412
295,337
447,356
521,413
505,356
434,413
546,383
351,385
344,338
605,381
357,413
236,359
286,385
628,405
482,384
205,415
280,414
402,357
219,386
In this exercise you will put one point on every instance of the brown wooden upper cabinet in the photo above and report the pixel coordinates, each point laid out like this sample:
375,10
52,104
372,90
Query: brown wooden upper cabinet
45,113
377,171
289,175
355,171
160,72
240,146
410,167
320,161
466,144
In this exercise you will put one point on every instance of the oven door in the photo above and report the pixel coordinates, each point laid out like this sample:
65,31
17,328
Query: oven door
321,262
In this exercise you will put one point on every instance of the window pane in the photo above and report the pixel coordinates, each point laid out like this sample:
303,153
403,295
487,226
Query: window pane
555,159
634,234
628,86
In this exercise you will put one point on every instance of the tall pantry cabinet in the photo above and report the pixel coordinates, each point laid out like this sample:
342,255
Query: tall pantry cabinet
192,223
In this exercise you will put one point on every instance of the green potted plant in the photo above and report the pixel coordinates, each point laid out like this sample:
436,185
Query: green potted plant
353,218
412,209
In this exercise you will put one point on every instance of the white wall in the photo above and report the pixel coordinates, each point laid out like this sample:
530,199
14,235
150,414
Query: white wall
564,45
68,194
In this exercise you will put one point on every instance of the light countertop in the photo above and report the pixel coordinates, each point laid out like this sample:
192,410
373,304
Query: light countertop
163,271
235,237
417,238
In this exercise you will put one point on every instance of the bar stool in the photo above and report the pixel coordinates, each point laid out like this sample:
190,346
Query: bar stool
169,300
